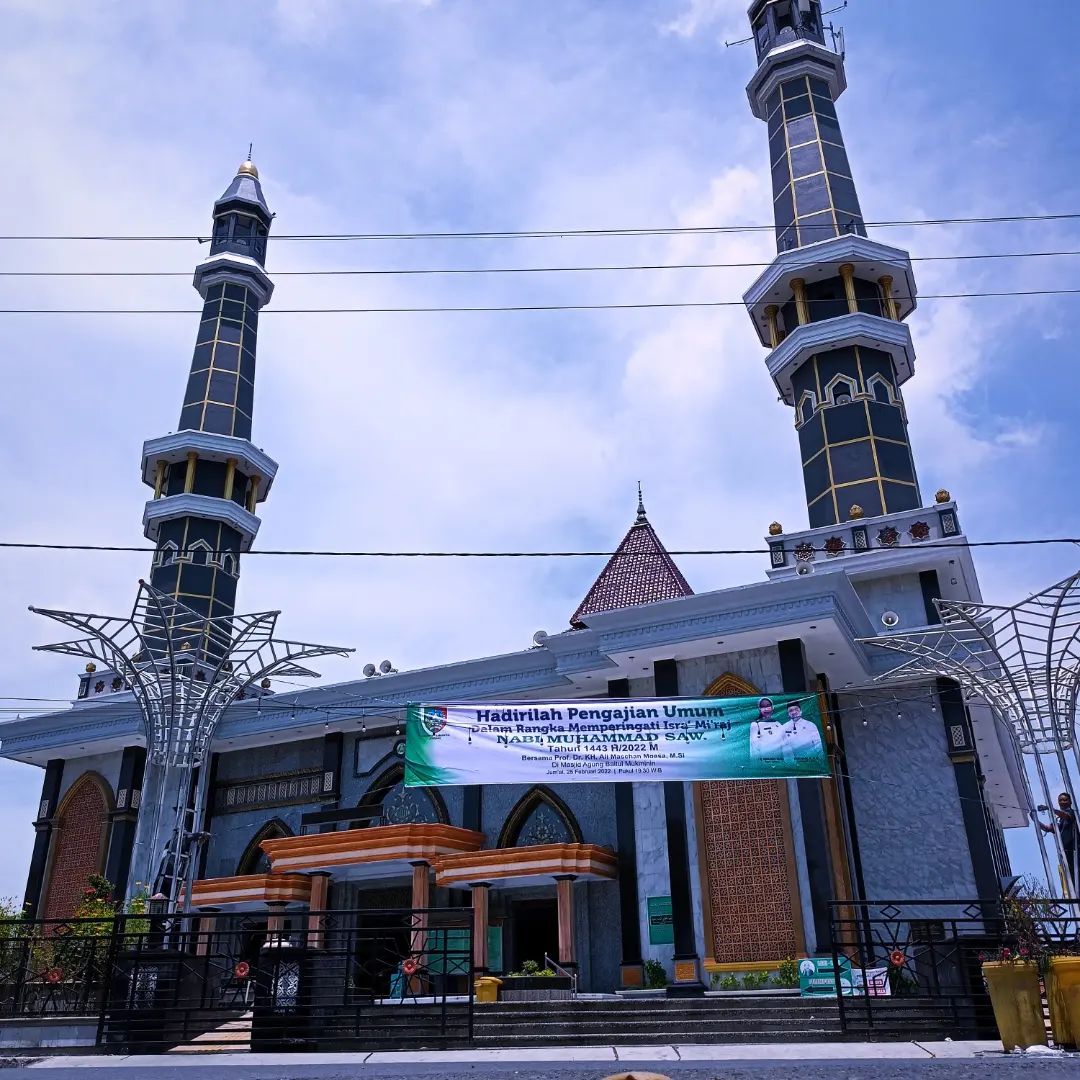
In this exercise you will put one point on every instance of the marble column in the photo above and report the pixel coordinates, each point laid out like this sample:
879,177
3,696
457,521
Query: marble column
564,893
480,925
421,899
320,891
205,933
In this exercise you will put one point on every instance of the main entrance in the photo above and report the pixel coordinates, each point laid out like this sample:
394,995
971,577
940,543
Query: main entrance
535,930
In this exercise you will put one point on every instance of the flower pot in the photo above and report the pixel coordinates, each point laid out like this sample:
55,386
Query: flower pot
1063,993
1017,1001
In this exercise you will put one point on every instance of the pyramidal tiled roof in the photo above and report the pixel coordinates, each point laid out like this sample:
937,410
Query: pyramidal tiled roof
640,572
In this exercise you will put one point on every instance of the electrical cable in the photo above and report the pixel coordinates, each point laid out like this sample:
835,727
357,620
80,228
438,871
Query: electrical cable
445,309
524,269
52,546
514,234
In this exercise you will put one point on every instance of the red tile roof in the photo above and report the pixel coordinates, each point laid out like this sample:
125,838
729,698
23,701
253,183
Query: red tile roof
640,572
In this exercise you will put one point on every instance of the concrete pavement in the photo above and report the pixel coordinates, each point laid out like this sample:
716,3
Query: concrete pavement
222,1063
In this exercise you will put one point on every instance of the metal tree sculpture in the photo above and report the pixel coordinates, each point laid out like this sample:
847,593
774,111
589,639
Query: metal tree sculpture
1023,660
184,669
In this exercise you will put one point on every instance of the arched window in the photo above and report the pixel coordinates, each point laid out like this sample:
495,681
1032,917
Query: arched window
80,835
399,805
807,404
255,860
166,553
199,553
880,388
842,390
228,564
541,817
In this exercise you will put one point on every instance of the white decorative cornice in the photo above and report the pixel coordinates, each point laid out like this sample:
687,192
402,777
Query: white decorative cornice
823,259
789,61
200,506
229,266
869,331
175,448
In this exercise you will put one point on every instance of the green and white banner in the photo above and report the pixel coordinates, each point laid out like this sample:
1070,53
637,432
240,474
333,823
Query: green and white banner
594,741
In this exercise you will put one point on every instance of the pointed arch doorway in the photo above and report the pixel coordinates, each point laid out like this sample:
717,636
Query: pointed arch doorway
746,856
539,818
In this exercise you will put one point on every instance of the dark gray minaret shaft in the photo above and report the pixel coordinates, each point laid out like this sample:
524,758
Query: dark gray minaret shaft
208,477
831,304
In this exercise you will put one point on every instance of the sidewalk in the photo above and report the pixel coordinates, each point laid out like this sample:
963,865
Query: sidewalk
786,1051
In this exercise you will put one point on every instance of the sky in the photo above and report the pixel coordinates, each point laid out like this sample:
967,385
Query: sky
504,430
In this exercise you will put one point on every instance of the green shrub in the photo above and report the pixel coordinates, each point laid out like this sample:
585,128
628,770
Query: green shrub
755,980
655,975
729,982
787,975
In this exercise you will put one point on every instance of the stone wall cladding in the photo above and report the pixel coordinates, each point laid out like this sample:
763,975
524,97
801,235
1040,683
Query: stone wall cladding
911,826
78,846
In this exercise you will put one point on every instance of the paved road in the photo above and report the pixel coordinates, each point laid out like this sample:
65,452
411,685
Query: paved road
865,1069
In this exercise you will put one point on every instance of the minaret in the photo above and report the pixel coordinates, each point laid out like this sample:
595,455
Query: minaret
830,306
208,477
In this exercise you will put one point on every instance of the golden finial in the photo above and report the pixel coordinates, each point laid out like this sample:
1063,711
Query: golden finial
855,512
943,496
775,529
248,166
91,668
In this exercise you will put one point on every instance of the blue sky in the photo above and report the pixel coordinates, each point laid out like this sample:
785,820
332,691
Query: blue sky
502,430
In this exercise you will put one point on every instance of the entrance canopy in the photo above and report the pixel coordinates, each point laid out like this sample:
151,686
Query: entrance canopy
381,851
533,865
251,891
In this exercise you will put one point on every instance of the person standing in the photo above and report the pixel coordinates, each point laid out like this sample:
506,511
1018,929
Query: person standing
1065,816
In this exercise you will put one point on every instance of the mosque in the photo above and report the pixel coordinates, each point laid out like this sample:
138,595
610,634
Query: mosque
306,806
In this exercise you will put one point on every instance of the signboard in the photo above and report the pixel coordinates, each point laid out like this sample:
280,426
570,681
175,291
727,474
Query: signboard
661,926
600,741
495,948
817,977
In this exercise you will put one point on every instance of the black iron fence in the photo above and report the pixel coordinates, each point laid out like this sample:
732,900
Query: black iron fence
906,968
274,981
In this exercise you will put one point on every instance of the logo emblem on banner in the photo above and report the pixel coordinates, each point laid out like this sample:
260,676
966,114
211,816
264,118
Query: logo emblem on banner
433,719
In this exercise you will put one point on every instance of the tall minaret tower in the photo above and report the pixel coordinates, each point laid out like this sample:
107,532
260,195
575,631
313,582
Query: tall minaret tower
830,307
208,477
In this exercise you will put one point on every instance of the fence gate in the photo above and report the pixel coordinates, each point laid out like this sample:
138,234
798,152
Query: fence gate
289,981
913,968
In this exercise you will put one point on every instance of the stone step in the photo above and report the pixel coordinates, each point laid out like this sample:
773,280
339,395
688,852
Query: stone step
599,1038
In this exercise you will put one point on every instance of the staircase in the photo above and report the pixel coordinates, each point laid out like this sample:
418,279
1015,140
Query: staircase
624,1022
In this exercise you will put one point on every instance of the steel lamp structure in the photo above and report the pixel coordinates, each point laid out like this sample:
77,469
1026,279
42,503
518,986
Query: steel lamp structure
1023,661
184,669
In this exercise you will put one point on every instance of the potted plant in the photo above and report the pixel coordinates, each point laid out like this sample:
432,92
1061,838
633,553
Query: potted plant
1012,978
534,983
1030,914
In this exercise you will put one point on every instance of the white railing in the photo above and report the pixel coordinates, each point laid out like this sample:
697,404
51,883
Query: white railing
559,970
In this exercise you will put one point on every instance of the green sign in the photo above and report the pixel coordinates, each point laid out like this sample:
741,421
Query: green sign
818,976
661,925
448,952
601,741
495,948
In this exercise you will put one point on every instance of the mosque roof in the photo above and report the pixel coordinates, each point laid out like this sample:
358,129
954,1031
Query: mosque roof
245,188
640,572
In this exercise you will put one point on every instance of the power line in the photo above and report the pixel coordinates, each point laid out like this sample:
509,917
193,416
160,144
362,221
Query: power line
451,270
489,308
333,553
513,234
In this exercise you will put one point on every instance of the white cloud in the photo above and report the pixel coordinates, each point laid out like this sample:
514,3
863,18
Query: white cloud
721,16
512,431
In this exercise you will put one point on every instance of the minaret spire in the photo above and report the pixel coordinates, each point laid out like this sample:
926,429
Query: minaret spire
641,518
208,477
830,306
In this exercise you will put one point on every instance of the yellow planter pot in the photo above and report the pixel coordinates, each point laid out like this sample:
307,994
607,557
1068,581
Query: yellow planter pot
1063,992
1017,1001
